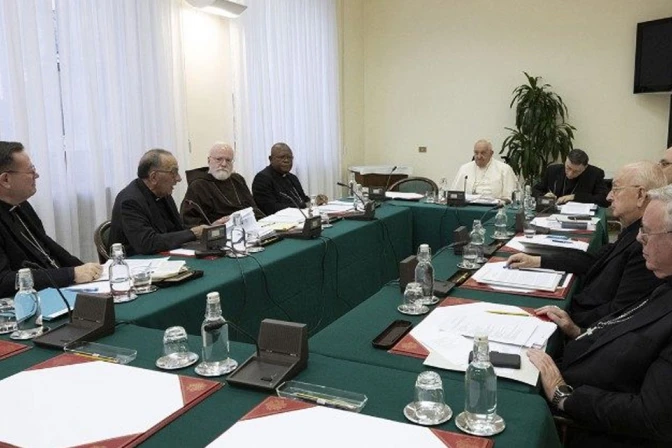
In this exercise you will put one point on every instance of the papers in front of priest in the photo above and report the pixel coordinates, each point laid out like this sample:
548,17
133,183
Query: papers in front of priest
125,401
578,208
554,222
479,199
447,332
161,268
498,274
326,428
546,240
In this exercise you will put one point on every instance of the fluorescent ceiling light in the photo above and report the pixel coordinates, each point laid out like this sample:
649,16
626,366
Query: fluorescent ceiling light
223,8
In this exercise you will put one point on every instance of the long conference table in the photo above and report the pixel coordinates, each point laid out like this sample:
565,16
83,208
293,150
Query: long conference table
343,287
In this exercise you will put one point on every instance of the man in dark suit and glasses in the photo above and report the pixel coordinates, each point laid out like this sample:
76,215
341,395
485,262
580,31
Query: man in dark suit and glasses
615,375
22,236
144,216
574,181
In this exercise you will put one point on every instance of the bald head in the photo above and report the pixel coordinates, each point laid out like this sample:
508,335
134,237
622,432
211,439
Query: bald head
666,164
220,161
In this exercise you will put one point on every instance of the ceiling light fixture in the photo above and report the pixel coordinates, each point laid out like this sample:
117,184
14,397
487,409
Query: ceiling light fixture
223,8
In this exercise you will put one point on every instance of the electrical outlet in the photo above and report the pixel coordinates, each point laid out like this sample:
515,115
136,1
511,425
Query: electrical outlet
422,149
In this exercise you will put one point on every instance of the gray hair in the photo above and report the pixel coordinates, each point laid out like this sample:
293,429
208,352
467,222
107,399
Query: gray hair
487,142
151,160
664,195
646,174
222,145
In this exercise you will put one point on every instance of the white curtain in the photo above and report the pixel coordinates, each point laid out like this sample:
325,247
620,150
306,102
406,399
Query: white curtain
286,88
122,92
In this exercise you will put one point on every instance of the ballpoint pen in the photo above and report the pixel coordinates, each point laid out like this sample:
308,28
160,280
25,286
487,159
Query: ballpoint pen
508,313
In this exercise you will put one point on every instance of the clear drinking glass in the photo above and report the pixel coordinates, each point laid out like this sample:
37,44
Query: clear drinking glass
528,229
325,221
7,316
412,301
142,279
176,353
430,197
469,256
429,400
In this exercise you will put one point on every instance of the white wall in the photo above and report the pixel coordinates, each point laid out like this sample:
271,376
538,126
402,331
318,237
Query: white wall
207,59
439,73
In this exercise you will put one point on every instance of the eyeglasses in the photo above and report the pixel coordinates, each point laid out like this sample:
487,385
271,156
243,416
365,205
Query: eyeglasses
664,163
173,172
644,236
617,189
284,157
31,171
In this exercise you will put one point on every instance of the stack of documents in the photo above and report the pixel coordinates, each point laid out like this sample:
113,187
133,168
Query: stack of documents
481,199
447,332
554,222
578,208
403,195
520,243
334,207
498,274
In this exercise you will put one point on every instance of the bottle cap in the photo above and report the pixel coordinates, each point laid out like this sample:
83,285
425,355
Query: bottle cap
212,298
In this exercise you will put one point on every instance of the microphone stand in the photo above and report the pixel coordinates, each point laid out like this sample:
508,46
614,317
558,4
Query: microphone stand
200,210
369,208
312,226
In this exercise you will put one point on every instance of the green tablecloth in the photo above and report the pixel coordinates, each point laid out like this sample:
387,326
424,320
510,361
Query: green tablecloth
529,423
313,282
351,335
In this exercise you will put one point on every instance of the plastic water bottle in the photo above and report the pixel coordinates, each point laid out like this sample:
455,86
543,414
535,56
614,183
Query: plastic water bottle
480,384
215,357
120,276
27,307
529,202
424,274
238,235
357,198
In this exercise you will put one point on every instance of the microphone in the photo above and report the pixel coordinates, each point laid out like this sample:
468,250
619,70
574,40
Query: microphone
293,201
489,210
200,210
37,267
465,185
389,177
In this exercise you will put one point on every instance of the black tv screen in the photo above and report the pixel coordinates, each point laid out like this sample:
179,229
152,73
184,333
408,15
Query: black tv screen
653,56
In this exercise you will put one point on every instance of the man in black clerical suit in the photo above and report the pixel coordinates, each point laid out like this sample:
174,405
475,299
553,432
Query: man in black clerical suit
574,181
144,215
215,191
22,236
616,276
275,188
614,378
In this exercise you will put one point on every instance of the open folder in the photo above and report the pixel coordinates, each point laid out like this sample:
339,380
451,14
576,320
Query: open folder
114,405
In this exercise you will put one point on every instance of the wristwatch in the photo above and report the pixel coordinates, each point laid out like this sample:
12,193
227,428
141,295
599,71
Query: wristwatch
561,392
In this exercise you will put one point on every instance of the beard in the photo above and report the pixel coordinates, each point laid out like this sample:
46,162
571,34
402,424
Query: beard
222,174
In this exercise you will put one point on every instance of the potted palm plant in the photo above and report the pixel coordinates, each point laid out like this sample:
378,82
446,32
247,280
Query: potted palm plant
542,134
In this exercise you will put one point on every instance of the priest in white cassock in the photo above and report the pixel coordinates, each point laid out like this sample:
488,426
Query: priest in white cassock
486,176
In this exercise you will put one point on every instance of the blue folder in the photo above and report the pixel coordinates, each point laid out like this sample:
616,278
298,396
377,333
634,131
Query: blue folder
52,303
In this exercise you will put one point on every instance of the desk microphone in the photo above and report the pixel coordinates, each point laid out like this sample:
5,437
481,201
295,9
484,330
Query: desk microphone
465,185
200,210
293,201
37,267
389,177
489,210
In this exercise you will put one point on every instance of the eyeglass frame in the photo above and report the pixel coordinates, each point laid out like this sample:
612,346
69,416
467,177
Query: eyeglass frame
617,189
644,236
174,172
32,171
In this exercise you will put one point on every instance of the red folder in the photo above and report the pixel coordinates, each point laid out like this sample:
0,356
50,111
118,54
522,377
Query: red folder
9,348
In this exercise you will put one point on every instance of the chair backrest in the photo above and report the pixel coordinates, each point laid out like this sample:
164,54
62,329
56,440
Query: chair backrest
101,238
415,185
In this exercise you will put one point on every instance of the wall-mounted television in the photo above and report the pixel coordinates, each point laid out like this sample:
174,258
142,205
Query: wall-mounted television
653,56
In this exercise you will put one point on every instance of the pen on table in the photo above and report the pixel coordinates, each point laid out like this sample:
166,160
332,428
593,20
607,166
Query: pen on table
97,357
326,402
507,313
83,289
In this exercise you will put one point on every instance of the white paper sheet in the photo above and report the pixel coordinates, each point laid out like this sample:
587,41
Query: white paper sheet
325,428
498,274
183,252
154,264
106,401
578,208
554,223
546,240
403,195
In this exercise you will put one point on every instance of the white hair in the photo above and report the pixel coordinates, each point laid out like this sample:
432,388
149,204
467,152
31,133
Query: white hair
645,174
664,195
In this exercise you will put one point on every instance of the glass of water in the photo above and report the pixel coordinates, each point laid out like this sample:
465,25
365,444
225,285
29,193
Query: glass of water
7,316
412,301
430,197
528,229
142,279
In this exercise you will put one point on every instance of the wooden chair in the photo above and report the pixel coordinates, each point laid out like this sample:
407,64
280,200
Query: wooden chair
101,238
415,185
